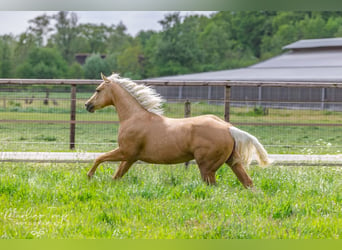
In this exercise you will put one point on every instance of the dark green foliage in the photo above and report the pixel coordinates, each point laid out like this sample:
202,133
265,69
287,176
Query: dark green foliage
186,44
5,56
75,71
178,51
43,63
93,67
66,26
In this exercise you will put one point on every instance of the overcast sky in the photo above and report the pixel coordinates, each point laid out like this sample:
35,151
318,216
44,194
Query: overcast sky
16,22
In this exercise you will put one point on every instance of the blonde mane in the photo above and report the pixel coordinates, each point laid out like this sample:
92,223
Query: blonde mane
146,96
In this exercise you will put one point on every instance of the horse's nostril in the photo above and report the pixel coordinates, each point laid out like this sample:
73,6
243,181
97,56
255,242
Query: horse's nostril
89,107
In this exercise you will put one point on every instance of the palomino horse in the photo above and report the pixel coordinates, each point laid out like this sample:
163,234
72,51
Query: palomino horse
146,135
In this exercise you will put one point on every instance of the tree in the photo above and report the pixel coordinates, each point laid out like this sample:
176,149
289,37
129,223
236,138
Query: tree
215,42
272,45
149,44
111,61
96,36
75,71
44,63
22,48
144,36
249,27
186,44
94,66
6,60
118,40
310,28
40,28
131,62
177,51
66,27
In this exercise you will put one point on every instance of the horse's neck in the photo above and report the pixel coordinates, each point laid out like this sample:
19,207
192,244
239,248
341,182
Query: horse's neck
125,104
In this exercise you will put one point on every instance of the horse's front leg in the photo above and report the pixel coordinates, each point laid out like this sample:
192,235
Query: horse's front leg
114,155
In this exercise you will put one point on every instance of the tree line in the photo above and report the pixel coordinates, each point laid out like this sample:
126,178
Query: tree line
186,44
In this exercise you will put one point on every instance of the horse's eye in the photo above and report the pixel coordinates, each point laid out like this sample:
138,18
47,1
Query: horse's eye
98,91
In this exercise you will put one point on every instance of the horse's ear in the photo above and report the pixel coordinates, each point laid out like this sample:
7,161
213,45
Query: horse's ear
105,79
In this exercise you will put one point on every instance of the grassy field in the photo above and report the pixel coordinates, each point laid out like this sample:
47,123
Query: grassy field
155,201
56,201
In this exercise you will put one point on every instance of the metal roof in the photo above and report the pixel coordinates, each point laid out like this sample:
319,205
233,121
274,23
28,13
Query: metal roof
329,74
315,43
325,58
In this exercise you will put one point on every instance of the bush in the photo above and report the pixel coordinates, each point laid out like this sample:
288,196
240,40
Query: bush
93,67
43,63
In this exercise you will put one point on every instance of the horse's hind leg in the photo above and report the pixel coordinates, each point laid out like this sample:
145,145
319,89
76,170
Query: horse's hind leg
208,165
237,167
208,177
123,168
242,175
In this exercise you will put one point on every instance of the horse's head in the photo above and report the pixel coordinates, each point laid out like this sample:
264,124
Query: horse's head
101,98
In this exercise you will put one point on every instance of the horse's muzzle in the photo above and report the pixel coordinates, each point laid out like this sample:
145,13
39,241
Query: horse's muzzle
90,107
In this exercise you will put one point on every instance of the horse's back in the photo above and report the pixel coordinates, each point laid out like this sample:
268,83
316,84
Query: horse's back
170,140
206,131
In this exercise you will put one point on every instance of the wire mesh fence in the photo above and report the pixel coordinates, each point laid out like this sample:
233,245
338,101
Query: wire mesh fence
38,117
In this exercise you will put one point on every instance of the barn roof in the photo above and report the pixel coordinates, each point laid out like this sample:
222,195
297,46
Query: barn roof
254,74
313,62
304,59
315,43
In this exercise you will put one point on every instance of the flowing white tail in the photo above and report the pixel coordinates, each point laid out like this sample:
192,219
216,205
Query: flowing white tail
246,144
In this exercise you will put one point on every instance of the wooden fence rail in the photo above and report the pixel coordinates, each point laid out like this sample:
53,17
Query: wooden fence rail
227,84
230,83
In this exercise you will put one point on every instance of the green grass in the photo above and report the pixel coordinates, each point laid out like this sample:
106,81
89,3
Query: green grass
157,201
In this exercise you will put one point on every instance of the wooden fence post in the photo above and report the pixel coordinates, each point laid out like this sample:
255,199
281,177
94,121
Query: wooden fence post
227,103
187,113
187,108
72,116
